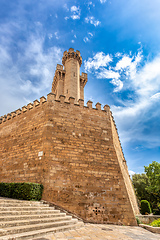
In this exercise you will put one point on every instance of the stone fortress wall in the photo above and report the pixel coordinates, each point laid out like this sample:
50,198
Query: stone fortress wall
73,150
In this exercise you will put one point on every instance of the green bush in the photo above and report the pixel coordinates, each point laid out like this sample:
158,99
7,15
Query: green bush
156,223
145,207
23,191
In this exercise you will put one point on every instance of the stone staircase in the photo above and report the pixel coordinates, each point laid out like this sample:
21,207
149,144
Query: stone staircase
21,219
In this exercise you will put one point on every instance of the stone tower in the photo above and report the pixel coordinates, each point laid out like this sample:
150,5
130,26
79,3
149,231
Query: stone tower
71,148
67,80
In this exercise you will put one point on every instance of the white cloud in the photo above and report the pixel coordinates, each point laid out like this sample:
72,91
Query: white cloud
126,67
149,78
66,7
156,96
74,9
103,1
99,60
141,86
50,36
118,83
56,35
90,34
118,54
90,4
66,18
92,20
75,16
86,39
109,74
76,12
105,73
146,87
123,63
129,64
29,75
131,173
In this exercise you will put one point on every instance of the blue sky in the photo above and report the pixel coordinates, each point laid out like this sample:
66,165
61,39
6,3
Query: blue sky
119,44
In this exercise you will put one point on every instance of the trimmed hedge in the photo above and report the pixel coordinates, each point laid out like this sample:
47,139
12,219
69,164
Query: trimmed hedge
145,207
23,191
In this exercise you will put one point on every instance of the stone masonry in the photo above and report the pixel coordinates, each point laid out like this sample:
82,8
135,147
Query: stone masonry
72,149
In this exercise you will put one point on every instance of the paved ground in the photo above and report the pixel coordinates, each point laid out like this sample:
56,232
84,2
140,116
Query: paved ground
103,232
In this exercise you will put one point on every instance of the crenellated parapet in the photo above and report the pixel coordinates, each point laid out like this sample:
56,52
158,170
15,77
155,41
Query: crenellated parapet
51,98
22,110
70,55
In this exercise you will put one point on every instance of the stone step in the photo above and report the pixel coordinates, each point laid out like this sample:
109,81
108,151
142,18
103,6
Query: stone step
38,211
14,204
41,232
23,217
17,208
10,200
6,224
28,228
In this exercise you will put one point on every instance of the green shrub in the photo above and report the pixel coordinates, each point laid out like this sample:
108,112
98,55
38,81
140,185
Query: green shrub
23,191
156,223
145,207
5,189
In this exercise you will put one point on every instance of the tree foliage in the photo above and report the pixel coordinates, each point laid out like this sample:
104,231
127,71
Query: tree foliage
140,182
153,174
147,186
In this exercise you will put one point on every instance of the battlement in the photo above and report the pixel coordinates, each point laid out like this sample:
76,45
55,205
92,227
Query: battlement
51,97
22,110
72,54
59,67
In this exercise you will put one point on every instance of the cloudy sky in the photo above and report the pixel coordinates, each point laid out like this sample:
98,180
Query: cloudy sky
119,41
